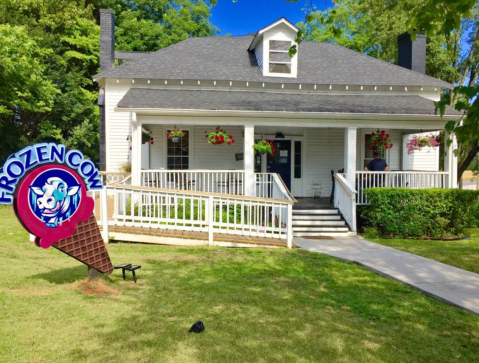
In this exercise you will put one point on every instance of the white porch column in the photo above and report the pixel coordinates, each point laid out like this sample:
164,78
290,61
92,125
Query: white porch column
135,151
450,161
350,134
249,182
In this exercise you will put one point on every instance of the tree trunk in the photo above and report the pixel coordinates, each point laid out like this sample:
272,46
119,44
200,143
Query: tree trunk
467,160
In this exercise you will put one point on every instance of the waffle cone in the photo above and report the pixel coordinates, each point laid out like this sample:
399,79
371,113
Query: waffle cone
86,245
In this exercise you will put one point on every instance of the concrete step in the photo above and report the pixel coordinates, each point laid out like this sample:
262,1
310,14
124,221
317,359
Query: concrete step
316,217
319,223
315,211
323,234
320,229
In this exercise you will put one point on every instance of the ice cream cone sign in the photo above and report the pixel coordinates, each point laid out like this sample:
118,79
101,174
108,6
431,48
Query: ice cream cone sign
47,185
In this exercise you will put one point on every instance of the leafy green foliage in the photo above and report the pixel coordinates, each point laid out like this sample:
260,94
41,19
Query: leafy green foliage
439,16
420,213
466,128
50,51
150,25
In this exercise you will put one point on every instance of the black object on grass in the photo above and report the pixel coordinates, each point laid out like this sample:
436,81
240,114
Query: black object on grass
197,327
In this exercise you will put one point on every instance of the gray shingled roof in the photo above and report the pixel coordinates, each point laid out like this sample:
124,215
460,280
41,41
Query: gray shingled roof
130,55
227,58
263,101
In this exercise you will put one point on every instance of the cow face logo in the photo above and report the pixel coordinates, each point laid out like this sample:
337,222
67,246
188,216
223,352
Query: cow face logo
54,197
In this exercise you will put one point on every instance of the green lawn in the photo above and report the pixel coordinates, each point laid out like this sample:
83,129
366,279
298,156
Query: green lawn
258,305
463,254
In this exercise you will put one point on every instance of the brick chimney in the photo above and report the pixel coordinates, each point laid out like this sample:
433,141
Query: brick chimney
107,40
412,55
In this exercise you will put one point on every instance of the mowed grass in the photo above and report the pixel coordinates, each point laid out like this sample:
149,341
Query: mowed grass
258,305
463,253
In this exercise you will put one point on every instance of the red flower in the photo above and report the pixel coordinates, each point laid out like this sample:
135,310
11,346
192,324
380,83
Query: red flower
233,141
376,142
152,142
272,154
382,137
274,150
130,147
387,135
266,140
151,139
217,129
370,147
390,146
229,142
231,136
382,132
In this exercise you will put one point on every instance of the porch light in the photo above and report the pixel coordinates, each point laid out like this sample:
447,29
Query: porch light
279,135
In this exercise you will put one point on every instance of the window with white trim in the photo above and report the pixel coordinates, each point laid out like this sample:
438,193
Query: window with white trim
178,153
279,59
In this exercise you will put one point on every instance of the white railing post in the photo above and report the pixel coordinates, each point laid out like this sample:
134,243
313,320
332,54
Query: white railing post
289,226
248,161
104,213
210,218
350,134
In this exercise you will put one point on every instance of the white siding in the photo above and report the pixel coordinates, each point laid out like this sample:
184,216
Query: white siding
118,127
324,152
156,150
426,159
217,157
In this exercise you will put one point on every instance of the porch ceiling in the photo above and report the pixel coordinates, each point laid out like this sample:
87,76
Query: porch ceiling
145,98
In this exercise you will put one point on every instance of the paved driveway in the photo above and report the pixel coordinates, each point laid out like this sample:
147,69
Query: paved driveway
450,284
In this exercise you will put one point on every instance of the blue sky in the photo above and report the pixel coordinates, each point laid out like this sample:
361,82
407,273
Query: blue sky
248,16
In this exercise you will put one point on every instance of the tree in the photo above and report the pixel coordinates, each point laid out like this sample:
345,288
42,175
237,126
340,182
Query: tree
150,25
54,51
371,27
24,88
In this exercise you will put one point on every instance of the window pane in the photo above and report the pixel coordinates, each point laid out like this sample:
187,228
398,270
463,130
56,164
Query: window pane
297,172
279,45
297,147
279,68
297,159
279,57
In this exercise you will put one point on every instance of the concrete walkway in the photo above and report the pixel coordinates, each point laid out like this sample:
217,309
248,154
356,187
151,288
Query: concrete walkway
449,284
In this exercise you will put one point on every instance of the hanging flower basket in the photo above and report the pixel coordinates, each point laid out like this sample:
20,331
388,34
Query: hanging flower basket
419,142
264,147
175,135
379,141
219,137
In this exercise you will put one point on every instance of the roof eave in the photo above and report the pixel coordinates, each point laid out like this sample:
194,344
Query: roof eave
289,114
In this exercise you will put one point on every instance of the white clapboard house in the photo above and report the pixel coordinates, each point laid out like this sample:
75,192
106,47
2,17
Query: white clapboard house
320,108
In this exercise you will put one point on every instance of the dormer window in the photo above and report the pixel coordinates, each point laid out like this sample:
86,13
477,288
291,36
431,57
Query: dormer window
279,60
271,46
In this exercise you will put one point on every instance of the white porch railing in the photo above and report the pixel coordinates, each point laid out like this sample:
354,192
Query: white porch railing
398,179
267,185
345,200
114,177
211,181
201,212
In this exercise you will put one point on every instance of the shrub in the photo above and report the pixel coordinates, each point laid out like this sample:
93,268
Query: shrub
420,213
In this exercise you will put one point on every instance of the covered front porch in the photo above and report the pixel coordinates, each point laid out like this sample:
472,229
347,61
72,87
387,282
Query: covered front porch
303,166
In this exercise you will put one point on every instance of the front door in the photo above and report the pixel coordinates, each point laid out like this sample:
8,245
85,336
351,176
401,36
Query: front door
281,161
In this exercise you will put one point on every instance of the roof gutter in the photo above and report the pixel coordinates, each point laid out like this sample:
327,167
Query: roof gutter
288,114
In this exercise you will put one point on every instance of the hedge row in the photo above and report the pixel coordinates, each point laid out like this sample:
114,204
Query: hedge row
420,213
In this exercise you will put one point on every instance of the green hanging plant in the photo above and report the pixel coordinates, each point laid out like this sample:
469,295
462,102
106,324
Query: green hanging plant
264,147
